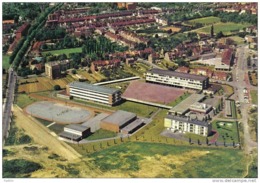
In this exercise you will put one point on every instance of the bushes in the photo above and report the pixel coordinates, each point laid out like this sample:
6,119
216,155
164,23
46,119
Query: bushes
19,168
57,87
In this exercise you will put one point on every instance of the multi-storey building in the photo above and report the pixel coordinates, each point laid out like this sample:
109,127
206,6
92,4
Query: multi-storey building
185,124
177,79
94,93
54,69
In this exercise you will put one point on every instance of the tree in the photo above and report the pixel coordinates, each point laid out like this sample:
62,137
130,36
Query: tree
198,141
73,71
189,140
207,141
219,35
56,87
212,31
248,61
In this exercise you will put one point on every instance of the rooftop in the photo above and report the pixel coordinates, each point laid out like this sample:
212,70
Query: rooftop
185,105
133,125
69,135
100,89
178,74
188,120
76,127
95,120
119,117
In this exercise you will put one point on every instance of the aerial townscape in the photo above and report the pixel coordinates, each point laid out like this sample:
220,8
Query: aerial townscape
129,90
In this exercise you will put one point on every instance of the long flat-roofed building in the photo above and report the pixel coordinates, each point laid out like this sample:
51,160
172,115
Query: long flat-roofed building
177,79
185,124
118,120
94,93
75,132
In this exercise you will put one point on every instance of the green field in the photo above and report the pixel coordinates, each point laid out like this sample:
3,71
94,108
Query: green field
205,20
23,100
137,159
226,28
254,96
227,131
238,40
64,51
6,64
233,108
101,134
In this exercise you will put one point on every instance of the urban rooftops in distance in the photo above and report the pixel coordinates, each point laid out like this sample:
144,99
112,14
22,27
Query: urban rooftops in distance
92,87
178,74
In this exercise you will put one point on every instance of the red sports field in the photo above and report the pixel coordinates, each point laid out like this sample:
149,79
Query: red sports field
152,92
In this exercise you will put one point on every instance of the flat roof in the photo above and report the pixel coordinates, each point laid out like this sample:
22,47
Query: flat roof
185,105
77,127
95,120
69,135
101,89
178,74
119,117
188,120
133,125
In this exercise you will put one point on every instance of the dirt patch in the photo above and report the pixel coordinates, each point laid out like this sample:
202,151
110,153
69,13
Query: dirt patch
41,135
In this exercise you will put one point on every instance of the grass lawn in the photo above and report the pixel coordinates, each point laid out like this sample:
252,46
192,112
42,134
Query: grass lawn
139,109
5,60
66,51
135,159
227,131
254,96
43,121
226,28
233,108
101,134
228,90
238,40
178,100
205,20
23,100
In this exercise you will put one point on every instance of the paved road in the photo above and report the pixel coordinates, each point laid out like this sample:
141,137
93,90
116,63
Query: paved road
239,83
9,102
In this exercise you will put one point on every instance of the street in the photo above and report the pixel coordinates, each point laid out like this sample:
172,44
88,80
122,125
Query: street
7,110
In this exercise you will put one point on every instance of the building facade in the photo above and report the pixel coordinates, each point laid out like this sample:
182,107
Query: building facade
54,69
94,93
177,79
185,124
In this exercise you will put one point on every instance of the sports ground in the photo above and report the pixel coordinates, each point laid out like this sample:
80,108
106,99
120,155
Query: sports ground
58,113
152,92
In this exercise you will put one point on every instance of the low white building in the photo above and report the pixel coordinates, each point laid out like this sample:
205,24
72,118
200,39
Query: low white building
185,124
177,79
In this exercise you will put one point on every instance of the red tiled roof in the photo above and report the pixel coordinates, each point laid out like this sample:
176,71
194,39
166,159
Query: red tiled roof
226,56
22,28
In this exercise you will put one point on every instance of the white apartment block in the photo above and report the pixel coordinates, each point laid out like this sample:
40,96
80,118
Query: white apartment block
185,124
94,93
177,79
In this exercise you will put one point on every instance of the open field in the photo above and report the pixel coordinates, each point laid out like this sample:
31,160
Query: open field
42,135
152,160
254,96
173,28
42,84
226,28
23,100
205,20
5,61
238,40
227,131
152,92
64,51
233,108
59,113
136,159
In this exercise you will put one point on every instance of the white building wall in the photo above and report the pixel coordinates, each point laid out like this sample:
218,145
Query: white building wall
187,83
